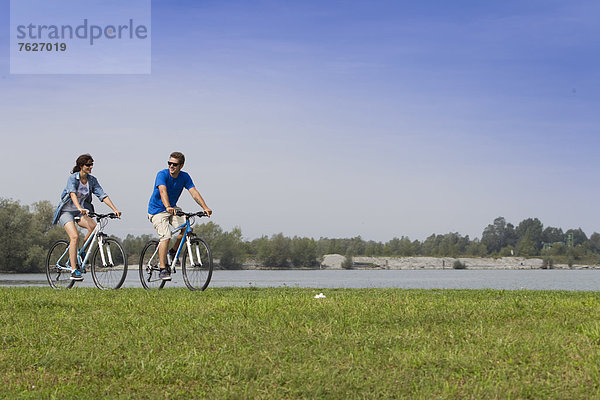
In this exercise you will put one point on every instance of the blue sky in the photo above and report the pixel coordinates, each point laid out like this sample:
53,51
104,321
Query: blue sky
331,118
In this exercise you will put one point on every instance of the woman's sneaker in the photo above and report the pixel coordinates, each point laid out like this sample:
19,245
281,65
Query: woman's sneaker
76,275
164,274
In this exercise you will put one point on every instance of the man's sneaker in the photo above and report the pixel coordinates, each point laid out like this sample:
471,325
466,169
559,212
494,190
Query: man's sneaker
164,274
76,275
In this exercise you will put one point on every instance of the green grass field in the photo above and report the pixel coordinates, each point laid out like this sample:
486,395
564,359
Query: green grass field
283,343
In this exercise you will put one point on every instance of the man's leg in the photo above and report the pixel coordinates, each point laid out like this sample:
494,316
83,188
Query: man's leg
163,247
160,222
177,241
177,221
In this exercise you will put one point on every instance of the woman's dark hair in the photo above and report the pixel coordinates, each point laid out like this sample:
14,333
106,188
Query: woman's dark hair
81,161
178,156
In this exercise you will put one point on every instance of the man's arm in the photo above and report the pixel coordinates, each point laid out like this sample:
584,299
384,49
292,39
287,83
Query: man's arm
162,189
196,196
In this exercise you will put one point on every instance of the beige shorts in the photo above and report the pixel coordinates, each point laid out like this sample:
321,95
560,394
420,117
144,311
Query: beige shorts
162,222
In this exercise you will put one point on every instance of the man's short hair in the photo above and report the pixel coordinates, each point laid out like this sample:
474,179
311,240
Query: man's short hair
179,156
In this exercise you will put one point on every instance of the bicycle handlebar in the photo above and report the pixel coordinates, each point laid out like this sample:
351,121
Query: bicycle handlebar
189,215
101,216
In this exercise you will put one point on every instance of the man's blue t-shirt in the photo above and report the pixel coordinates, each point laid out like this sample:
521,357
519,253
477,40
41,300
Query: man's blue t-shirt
174,189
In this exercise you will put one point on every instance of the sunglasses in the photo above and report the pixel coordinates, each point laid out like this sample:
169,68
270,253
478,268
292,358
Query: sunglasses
89,165
172,164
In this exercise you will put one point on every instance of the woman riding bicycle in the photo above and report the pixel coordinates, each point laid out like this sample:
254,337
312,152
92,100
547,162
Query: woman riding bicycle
76,202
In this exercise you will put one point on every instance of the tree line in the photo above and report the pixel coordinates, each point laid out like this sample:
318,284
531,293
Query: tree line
26,233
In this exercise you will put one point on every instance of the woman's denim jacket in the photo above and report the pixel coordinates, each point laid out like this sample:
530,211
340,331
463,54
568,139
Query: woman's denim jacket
72,185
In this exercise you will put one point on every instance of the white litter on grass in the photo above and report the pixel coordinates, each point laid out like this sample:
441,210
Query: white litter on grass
319,296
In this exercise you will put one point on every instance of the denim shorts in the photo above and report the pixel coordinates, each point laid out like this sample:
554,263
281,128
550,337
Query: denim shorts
68,216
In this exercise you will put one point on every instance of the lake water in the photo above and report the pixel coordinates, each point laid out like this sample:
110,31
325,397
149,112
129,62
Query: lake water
583,280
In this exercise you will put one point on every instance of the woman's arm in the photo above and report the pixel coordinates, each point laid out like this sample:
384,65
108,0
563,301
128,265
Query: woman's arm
75,201
109,203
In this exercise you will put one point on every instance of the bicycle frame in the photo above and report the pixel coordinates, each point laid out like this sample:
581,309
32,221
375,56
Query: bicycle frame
196,259
96,233
187,231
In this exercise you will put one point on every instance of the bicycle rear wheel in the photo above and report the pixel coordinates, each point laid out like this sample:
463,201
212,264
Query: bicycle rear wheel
150,267
56,260
110,272
197,268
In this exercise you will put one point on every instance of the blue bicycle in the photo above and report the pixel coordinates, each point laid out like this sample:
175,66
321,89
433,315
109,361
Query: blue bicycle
108,262
196,258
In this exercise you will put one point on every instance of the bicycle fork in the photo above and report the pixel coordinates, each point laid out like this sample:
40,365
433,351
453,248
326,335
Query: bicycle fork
105,251
193,262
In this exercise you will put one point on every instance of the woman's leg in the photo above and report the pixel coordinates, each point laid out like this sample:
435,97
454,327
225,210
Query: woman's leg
73,241
89,224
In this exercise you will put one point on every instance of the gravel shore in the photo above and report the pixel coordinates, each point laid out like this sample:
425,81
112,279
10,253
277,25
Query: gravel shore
334,261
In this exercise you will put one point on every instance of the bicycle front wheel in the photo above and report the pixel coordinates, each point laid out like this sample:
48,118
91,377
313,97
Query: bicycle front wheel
150,267
58,271
109,264
197,267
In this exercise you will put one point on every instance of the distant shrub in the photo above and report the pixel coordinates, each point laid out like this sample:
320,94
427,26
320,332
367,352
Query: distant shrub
507,251
348,262
459,265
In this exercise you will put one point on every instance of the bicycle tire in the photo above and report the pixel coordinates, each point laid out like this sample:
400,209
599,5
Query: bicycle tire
197,276
109,275
150,266
57,278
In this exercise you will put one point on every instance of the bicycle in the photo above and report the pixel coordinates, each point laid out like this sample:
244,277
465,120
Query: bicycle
196,273
108,261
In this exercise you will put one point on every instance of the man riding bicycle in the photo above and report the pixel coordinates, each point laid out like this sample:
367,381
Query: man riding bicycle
162,208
